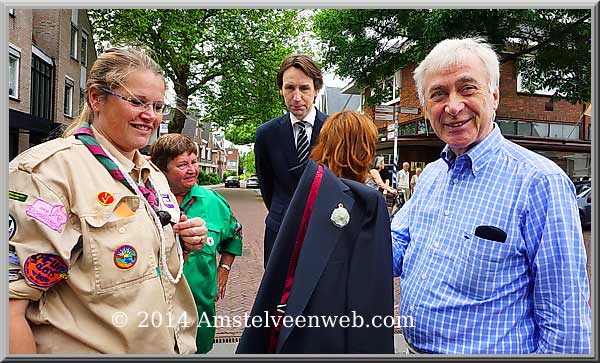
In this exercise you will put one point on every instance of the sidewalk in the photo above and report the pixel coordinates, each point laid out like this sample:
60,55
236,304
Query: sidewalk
228,349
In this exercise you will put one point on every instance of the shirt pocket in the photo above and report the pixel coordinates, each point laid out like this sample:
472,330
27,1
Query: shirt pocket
482,265
213,239
120,250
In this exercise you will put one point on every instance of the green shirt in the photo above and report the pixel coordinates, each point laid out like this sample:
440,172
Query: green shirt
200,269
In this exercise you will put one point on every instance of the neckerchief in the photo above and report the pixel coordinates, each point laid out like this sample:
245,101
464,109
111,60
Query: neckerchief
86,136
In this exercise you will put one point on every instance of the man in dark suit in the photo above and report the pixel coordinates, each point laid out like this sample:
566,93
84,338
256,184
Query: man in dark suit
285,142
323,267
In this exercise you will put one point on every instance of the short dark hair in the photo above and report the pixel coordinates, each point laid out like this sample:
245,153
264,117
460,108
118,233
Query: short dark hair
170,146
306,64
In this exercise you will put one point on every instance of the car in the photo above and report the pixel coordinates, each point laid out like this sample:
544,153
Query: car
232,182
253,182
584,202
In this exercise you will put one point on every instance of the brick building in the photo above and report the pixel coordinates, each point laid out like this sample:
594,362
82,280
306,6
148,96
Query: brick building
232,158
50,53
559,130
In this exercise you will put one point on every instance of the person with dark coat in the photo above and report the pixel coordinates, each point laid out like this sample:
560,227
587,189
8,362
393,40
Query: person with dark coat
285,142
331,258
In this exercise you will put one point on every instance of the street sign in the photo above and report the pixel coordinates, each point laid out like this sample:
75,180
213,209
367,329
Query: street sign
390,135
384,109
391,127
164,129
384,116
410,110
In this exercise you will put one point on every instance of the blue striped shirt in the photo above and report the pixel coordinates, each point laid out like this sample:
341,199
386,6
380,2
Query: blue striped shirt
471,295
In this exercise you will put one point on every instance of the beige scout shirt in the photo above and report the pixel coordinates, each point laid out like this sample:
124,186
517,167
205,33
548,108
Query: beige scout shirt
100,307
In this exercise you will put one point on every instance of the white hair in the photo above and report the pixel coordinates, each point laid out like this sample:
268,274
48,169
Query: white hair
453,51
378,161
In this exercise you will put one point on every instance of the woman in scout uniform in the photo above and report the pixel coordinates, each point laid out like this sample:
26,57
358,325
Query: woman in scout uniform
176,156
96,262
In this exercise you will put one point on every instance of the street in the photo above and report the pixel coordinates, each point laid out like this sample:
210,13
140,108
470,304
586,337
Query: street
247,270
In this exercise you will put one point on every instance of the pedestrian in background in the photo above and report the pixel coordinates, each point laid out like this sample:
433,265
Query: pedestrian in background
93,252
490,251
414,179
332,256
176,156
403,180
374,177
284,143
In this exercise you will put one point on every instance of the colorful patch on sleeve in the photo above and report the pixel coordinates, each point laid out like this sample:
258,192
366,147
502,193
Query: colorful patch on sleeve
238,230
125,256
13,258
12,227
53,216
45,269
105,198
13,274
166,198
17,196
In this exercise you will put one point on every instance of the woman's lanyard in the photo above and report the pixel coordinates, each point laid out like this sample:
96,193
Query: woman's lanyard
184,208
146,192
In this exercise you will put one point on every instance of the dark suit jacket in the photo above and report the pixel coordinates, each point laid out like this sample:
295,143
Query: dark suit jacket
340,270
275,154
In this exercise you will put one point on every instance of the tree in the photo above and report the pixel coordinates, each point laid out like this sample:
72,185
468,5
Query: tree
222,62
551,46
247,163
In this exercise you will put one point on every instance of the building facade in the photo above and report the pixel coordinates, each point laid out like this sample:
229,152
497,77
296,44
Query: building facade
558,130
232,158
50,53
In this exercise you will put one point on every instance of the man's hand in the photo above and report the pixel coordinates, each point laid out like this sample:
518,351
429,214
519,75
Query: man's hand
192,232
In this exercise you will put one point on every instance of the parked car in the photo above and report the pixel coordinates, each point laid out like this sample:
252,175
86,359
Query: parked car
232,182
253,182
584,202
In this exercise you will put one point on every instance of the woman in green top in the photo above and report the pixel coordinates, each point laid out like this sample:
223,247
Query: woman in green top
176,156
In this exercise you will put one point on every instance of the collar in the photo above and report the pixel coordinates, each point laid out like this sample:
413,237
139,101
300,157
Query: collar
479,154
310,118
139,161
196,192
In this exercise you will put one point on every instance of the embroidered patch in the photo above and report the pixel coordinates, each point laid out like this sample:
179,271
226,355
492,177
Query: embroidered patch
238,230
125,256
17,196
53,216
105,198
12,227
45,269
210,241
13,258
166,198
13,274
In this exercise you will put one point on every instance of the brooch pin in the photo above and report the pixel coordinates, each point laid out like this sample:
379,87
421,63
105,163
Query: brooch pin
340,216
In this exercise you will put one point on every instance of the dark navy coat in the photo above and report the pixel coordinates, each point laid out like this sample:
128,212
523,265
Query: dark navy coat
275,155
340,270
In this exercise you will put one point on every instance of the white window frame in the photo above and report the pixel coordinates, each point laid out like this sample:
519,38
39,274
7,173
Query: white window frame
73,44
75,16
11,11
68,96
84,49
396,90
15,53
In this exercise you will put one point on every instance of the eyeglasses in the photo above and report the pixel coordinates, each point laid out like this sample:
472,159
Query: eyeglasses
158,107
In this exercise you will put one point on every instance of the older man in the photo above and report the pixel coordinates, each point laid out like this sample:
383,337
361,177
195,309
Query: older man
489,249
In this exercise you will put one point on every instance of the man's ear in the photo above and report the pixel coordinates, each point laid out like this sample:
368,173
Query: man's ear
281,92
496,95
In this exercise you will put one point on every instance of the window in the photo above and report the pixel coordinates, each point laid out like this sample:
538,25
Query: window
82,100
391,89
74,32
41,85
539,129
84,48
14,62
563,131
523,128
409,128
68,104
507,127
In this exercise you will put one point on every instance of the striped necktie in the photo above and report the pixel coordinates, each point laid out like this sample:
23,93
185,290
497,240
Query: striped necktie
302,142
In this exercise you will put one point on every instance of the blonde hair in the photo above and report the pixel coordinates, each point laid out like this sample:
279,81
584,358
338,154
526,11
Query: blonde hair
111,70
347,145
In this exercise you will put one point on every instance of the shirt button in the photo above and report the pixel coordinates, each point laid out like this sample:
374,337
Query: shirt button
446,212
409,340
412,308
436,245
456,181
122,230
423,277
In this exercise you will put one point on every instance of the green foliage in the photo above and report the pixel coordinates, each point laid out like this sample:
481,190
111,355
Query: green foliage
208,178
247,163
223,59
369,45
227,174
